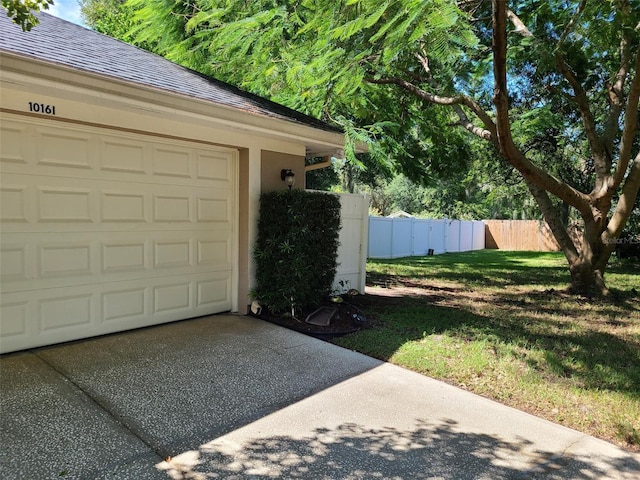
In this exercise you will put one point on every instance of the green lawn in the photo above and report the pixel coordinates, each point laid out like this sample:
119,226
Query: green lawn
499,324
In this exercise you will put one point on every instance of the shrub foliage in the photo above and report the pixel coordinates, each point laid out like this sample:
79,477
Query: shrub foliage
297,248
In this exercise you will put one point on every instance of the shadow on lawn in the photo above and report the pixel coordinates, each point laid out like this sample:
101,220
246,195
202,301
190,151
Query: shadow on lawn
592,358
440,450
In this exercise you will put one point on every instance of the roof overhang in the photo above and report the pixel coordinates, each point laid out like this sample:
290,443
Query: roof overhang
14,68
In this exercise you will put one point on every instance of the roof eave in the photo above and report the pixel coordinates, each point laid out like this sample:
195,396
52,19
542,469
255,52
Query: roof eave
317,141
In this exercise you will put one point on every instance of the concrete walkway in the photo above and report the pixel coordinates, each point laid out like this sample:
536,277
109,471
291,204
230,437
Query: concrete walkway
234,397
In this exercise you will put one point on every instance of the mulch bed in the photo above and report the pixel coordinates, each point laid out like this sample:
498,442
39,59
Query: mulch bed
350,317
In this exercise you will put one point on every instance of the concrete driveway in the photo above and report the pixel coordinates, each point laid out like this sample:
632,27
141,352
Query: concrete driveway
234,397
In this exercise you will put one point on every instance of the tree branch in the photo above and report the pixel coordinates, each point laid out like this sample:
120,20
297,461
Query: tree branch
555,224
616,93
440,100
500,93
519,25
473,5
505,143
630,127
625,203
601,156
465,123
574,19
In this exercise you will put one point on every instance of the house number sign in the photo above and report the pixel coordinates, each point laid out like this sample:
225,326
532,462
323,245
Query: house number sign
42,108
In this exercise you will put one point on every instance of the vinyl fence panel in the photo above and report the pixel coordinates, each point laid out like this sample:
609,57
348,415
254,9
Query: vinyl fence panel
478,235
421,231
453,236
354,235
438,236
404,237
466,237
380,237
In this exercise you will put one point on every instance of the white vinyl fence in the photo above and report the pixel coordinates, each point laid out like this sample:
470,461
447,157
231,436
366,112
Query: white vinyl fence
408,237
354,234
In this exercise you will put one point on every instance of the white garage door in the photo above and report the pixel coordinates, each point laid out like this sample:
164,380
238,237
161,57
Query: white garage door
104,231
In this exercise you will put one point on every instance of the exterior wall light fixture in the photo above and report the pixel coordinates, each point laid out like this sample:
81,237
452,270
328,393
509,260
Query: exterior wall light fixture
288,177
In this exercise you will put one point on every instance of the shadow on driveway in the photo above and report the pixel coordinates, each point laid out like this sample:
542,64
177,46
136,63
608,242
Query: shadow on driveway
234,397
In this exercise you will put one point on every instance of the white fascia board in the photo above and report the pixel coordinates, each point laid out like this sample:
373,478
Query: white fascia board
17,68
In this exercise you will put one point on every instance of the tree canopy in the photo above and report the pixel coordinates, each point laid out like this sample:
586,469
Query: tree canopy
551,85
21,11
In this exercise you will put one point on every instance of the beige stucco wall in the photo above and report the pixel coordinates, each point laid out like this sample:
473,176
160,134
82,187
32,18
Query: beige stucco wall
271,165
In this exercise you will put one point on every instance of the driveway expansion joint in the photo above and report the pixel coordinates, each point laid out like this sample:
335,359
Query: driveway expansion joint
118,419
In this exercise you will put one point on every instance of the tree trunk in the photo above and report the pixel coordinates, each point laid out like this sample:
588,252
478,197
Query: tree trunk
587,270
587,259
347,178
587,278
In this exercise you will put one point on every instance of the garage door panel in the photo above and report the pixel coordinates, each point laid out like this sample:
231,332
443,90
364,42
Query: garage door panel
63,312
123,155
125,255
124,207
212,292
88,152
14,318
116,176
105,231
64,260
210,166
63,148
214,251
64,204
172,208
14,141
14,203
125,305
213,210
15,263
32,261
172,254
172,162
43,317
59,204
47,317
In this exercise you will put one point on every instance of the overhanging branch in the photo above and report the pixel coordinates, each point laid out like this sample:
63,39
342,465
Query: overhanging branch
441,100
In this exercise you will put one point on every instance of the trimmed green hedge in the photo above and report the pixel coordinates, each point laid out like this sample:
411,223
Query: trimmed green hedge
297,248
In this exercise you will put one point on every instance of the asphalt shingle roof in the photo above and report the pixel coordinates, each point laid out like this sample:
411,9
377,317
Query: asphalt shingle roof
60,42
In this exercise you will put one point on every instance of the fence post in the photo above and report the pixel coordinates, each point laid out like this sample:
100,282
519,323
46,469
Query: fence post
364,243
413,237
445,235
393,234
